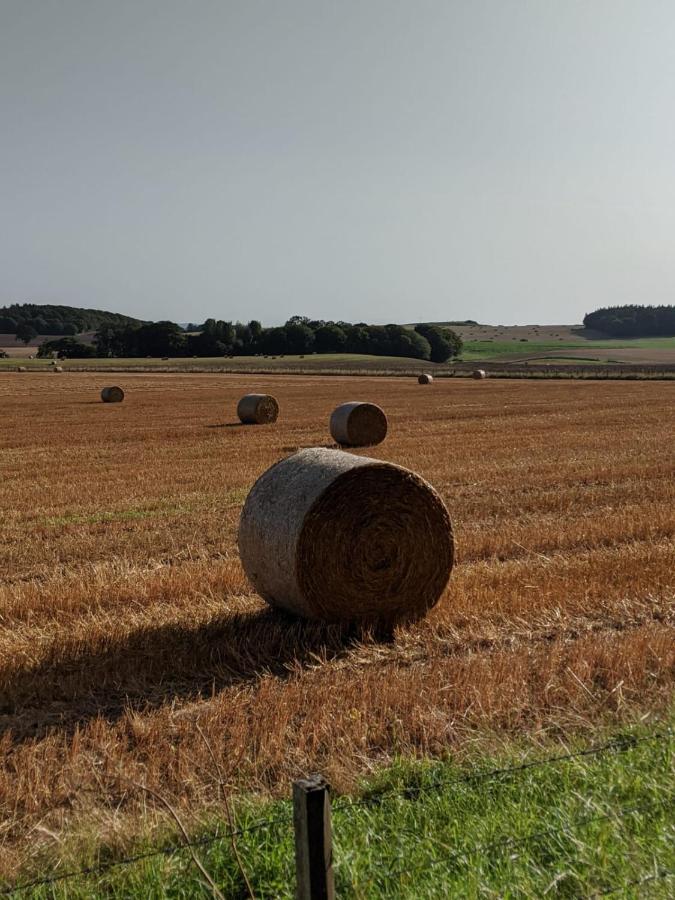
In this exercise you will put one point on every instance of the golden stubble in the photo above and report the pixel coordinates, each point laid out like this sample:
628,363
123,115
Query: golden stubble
126,620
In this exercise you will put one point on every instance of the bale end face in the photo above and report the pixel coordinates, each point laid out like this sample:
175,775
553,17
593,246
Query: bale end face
358,424
341,538
112,395
257,409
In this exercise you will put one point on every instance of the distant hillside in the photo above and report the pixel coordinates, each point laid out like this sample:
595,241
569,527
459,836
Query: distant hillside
52,320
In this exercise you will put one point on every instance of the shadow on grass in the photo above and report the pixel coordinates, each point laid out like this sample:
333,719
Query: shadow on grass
155,665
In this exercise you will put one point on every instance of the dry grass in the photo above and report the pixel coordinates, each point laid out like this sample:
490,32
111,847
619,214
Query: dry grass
125,618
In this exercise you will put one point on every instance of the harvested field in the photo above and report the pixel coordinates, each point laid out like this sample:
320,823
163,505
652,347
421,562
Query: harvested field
126,620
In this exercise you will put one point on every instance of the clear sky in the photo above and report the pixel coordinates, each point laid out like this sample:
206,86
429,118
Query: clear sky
502,160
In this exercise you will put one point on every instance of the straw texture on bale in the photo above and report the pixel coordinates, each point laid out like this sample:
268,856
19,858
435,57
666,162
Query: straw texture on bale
479,373
357,424
112,395
424,378
257,409
328,535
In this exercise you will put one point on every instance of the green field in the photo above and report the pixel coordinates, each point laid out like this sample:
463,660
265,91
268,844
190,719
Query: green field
502,350
575,827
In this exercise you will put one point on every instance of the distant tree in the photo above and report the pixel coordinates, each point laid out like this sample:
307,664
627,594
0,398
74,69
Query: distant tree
329,338
8,325
26,332
66,348
299,338
444,342
161,339
633,321
42,326
274,341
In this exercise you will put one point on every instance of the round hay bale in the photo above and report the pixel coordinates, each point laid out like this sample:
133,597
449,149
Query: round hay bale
57,369
328,535
112,395
425,378
479,373
257,409
21,369
357,424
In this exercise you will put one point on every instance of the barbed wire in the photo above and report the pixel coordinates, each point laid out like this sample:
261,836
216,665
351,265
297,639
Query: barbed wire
167,850
638,881
509,842
618,745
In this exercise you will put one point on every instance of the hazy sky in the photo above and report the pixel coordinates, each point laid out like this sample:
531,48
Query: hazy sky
502,160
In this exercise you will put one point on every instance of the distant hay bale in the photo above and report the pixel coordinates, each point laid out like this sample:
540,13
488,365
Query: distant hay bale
57,369
257,409
328,535
112,395
21,369
357,424
479,373
425,378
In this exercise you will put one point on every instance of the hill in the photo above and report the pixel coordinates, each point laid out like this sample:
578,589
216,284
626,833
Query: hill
59,320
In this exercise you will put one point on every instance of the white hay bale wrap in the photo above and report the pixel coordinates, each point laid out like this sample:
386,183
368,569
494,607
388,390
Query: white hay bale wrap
57,369
357,424
328,535
257,409
479,373
425,378
112,395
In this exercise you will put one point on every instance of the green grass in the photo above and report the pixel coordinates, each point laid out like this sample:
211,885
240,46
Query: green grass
433,830
502,350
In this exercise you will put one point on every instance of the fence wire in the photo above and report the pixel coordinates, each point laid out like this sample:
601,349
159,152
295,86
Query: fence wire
507,843
622,744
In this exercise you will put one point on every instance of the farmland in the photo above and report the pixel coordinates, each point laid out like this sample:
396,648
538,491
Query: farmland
126,621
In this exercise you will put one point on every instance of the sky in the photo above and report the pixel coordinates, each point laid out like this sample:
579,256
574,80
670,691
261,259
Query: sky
509,161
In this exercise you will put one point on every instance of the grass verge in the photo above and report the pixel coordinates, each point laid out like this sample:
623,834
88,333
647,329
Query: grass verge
509,824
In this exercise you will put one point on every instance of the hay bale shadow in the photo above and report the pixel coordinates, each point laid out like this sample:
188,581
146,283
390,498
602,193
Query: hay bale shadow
156,665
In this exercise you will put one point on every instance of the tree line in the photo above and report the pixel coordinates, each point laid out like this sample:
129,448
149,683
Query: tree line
633,321
298,336
28,320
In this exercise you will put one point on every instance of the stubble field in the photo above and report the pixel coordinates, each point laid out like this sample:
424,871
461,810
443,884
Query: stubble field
133,651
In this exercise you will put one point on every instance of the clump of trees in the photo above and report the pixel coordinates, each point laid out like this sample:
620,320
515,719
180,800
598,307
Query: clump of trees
66,348
633,321
298,336
18,318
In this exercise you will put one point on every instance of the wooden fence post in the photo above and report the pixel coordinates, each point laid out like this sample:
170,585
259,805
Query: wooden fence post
313,839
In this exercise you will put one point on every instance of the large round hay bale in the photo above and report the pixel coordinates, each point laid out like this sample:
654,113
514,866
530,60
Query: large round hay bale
112,395
257,409
57,369
21,369
425,378
357,424
479,373
328,535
